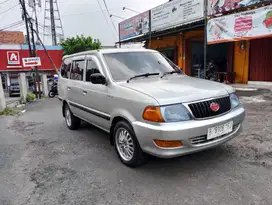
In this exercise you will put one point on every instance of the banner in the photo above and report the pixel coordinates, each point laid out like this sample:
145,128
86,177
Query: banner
216,7
176,13
134,27
241,26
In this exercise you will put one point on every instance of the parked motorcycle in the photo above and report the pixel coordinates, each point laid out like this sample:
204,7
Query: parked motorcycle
54,90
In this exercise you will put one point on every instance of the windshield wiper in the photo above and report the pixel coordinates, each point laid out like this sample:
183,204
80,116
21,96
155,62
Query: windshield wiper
142,75
170,73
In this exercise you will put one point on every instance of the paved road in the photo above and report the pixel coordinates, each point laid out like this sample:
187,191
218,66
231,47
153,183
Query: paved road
42,162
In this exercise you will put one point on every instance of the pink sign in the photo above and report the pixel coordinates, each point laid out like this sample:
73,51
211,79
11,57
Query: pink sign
135,26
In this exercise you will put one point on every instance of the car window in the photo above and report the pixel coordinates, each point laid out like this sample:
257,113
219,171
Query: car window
66,67
14,84
91,69
77,70
126,65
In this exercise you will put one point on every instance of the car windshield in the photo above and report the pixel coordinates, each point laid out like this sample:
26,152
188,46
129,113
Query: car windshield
124,66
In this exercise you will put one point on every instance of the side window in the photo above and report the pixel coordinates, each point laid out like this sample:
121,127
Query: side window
65,68
91,69
78,70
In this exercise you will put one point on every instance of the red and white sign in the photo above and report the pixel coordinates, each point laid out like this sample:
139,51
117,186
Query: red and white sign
29,62
246,25
13,57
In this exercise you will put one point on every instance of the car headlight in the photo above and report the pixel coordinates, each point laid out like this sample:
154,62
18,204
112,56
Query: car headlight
175,113
234,100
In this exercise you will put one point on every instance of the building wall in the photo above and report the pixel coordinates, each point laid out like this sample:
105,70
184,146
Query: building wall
55,52
12,37
241,61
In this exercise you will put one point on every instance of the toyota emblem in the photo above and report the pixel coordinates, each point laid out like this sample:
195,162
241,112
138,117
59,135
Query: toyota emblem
214,107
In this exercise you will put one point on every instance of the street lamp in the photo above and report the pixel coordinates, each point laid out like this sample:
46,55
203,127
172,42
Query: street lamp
112,15
125,8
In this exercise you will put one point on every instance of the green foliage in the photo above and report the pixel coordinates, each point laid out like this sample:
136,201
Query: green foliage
7,111
79,44
30,97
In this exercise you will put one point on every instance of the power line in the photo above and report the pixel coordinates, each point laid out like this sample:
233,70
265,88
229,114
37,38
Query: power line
9,9
109,16
105,17
11,25
4,1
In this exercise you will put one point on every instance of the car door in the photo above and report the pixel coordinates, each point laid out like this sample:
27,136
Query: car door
64,76
75,86
95,96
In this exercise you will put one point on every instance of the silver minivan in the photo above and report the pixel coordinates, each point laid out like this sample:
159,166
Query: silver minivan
146,103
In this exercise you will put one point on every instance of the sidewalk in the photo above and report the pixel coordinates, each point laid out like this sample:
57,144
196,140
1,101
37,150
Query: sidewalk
253,86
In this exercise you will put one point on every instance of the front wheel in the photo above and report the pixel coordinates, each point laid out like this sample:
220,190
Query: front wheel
51,94
72,121
127,146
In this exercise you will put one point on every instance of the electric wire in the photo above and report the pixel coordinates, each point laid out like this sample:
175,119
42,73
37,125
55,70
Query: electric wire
9,9
106,6
106,18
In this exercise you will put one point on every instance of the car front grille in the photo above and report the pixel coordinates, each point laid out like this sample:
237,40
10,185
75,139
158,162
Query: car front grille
203,139
202,109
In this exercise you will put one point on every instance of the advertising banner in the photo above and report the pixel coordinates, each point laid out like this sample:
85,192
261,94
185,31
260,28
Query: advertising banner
216,7
134,27
240,26
176,13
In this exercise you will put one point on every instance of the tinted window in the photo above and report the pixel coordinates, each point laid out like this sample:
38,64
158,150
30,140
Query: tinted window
77,70
126,65
65,68
91,69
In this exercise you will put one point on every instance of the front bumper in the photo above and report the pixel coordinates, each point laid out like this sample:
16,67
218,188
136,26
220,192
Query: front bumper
191,133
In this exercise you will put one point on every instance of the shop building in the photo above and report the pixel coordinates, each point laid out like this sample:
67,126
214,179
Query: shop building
182,39
11,65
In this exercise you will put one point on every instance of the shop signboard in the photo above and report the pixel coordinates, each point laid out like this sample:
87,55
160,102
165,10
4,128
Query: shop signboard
175,13
246,25
217,7
134,27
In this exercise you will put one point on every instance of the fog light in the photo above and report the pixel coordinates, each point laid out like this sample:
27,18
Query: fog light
168,144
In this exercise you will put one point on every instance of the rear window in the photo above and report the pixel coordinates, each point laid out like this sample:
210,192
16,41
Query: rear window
14,84
66,67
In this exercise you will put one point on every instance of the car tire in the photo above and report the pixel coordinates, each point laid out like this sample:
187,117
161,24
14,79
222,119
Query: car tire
127,145
72,121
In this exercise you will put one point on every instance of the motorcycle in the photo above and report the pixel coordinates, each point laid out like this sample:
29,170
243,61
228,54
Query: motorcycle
54,90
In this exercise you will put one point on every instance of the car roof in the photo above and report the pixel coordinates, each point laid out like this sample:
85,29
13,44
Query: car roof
114,50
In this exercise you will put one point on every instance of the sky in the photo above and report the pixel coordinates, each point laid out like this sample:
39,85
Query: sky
81,16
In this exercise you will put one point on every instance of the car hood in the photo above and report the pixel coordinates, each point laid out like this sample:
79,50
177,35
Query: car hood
179,89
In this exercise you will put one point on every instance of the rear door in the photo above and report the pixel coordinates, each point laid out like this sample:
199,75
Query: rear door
64,78
75,86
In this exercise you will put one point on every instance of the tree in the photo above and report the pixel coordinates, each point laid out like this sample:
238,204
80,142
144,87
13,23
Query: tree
79,44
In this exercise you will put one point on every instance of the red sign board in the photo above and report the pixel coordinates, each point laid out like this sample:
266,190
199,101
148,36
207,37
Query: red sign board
13,57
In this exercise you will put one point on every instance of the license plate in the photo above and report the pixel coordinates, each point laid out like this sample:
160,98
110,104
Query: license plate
220,130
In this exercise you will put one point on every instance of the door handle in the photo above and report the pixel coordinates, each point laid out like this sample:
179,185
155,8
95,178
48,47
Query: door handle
68,88
84,92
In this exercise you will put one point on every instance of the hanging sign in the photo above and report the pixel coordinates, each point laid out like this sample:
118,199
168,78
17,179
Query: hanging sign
175,13
217,7
241,26
29,62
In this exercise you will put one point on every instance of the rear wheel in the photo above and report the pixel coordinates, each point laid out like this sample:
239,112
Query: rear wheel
72,121
127,146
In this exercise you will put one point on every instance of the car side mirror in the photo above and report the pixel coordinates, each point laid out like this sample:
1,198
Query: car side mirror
98,78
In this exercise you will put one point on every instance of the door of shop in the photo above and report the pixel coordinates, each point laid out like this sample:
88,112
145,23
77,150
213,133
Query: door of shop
260,60
170,53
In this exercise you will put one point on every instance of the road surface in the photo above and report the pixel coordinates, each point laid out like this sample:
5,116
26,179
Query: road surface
42,162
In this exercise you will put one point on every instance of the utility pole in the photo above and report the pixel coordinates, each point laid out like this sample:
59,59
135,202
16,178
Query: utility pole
22,2
53,26
38,93
36,18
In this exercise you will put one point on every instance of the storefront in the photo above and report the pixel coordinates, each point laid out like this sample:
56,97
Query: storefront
11,65
250,31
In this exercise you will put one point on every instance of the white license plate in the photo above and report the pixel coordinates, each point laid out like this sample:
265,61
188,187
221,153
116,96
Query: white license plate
220,130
